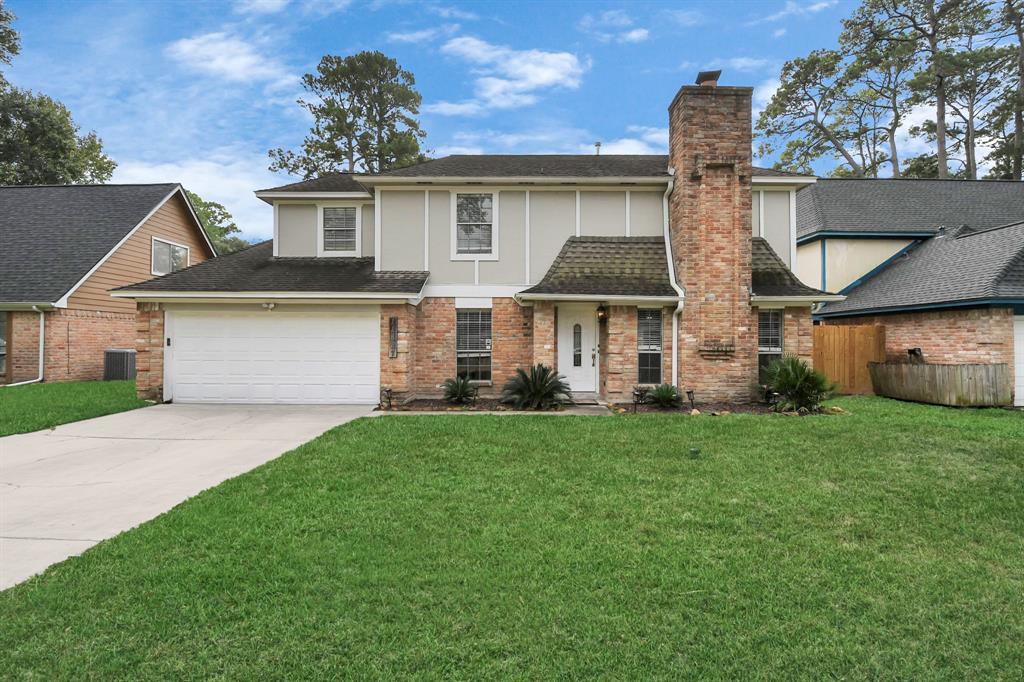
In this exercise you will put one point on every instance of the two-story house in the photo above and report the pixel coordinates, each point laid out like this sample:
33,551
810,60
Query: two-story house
618,270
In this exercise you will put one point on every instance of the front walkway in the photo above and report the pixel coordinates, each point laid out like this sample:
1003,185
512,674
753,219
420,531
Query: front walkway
64,490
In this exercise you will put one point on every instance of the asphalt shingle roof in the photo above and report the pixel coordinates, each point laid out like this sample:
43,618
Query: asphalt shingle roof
770,276
51,236
905,205
256,269
331,182
957,265
637,266
608,266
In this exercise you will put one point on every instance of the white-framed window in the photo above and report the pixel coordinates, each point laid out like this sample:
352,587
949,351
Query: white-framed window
473,344
769,340
168,257
474,225
648,346
339,230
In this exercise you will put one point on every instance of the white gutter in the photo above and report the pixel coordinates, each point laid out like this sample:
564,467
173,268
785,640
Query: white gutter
672,277
593,297
543,180
42,348
262,295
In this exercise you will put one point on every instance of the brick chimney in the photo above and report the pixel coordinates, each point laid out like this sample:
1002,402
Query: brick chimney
709,214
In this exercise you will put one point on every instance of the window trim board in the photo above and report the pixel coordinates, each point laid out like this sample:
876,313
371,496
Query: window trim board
358,207
152,254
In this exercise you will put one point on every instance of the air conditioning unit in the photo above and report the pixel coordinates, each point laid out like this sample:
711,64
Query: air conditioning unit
118,364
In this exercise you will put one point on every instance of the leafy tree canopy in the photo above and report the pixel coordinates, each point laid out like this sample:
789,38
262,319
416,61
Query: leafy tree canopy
219,225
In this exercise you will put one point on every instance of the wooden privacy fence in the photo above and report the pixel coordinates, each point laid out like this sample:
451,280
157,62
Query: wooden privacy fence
842,353
956,385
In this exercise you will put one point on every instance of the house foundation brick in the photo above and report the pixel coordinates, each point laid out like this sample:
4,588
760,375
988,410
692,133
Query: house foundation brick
620,361
946,337
798,333
545,334
512,340
396,372
149,351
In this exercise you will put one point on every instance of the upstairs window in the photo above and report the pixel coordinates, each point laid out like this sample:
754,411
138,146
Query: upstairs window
473,344
474,224
648,342
340,230
769,340
168,257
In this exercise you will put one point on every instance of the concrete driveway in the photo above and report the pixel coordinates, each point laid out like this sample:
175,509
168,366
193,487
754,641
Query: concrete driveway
64,490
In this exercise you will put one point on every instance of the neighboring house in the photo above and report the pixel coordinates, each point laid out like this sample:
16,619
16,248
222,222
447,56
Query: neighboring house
617,270
939,263
62,248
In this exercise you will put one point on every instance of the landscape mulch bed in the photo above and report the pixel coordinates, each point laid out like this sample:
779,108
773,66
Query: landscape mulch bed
437,405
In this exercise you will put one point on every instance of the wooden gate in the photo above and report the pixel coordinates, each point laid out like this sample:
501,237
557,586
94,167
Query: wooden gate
842,353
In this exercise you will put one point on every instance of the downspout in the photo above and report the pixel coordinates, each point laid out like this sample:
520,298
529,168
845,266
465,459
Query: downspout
672,277
42,342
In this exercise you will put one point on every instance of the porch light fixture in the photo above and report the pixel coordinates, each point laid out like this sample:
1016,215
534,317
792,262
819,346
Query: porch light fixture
602,313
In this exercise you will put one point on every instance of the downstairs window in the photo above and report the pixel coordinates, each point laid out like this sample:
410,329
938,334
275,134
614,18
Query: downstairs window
648,345
473,344
769,340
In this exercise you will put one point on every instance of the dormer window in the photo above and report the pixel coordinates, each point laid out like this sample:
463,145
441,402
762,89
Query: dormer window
339,231
475,231
168,257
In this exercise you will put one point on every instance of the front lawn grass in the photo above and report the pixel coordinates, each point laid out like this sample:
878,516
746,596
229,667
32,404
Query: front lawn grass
887,543
43,406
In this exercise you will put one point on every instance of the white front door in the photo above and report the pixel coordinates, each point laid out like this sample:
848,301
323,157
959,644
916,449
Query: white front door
1018,360
577,346
274,356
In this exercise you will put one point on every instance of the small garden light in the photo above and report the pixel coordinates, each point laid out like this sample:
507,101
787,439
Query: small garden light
689,396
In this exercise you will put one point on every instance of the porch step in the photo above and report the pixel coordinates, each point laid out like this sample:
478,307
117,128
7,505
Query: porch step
581,398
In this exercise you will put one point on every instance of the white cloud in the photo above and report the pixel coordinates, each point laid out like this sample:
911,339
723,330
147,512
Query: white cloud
221,175
423,35
319,8
778,33
746,63
763,94
612,25
230,57
685,17
795,9
508,78
259,6
457,149
643,140
323,8
446,12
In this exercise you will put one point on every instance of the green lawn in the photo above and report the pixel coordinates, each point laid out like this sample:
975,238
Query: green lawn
887,543
43,406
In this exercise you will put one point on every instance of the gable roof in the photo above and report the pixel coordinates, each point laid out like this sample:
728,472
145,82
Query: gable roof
957,266
52,236
901,206
330,182
256,269
638,267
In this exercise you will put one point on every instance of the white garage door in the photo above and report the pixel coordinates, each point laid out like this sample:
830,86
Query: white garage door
1018,360
274,357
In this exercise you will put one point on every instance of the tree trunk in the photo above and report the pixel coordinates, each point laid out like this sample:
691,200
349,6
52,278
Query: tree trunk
970,153
1018,104
894,155
857,169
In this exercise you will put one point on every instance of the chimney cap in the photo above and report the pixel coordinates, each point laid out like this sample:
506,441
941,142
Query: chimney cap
708,77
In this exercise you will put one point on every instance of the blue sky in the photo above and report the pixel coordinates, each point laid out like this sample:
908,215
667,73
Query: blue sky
197,92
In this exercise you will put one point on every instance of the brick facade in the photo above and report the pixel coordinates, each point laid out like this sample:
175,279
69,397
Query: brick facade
149,351
798,333
74,344
973,335
710,150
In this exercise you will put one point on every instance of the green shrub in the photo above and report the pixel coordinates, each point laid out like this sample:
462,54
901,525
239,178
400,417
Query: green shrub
539,389
458,391
798,385
664,395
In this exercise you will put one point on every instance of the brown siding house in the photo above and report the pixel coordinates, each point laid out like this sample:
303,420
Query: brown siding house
65,248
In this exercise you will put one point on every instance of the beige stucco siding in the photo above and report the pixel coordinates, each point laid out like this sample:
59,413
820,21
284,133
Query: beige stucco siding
552,221
848,259
367,231
510,268
401,229
296,230
443,270
646,214
603,214
808,264
776,223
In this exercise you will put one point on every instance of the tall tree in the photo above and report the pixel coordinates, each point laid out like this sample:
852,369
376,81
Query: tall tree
975,83
931,27
806,111
219,225
40,143
1010,25
364,109
10,42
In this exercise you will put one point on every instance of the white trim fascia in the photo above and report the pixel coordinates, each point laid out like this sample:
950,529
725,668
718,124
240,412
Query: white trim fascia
377,211
62,302
517,180
471,291
300,196
262,295
320,206
628,192
760,214
597,298
476,271
426,230
152,260
794,301
526,239
474,303
277,230
168,357
495,228
578,218
783,180
792,230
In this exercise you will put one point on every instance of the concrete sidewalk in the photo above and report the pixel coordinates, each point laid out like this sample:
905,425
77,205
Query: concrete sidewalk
64,490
